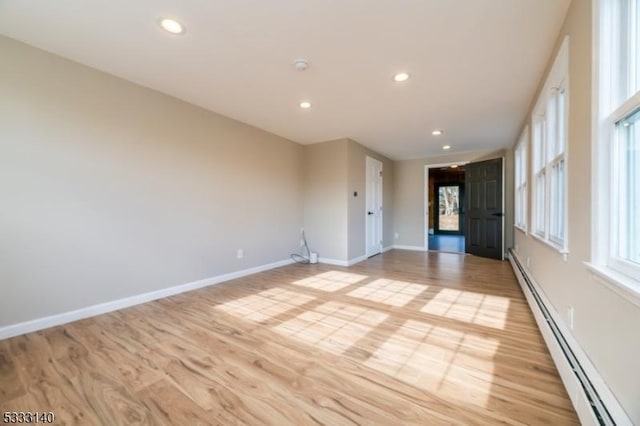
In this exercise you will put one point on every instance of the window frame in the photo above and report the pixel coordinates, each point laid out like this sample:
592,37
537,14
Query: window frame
611,105
551,155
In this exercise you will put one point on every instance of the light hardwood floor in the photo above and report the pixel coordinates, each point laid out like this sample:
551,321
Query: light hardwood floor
402,338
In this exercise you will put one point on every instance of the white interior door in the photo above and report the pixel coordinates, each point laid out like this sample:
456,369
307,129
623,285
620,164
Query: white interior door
374,207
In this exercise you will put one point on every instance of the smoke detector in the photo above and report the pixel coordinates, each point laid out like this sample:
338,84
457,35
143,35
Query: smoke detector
301,64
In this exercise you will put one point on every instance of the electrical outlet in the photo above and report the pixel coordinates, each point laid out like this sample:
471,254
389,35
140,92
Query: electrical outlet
301,231
396,235
301,243
571,316
240,253
516,248
528,261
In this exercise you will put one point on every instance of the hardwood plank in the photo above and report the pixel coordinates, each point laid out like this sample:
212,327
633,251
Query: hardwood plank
23,403
111,401
405,337
51,390
10,385
169,406
134,372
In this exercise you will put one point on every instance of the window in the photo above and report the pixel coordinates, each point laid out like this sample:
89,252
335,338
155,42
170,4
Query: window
626,161
617,143
550,134
520,160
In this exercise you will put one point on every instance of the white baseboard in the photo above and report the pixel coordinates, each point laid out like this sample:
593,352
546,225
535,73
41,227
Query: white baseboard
335,262
103,308
572,384
356,260
349,262
412,248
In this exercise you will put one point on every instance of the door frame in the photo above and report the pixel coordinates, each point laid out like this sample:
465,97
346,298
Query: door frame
425,195
380,224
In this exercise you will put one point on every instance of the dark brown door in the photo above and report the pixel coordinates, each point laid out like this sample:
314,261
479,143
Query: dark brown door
484,215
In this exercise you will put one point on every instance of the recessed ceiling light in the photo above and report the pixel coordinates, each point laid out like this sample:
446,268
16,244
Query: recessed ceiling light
305,104
172,26
454,166
437,132
301,64
446,147
401,76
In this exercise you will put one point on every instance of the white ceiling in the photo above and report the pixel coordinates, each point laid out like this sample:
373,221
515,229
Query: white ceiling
475,64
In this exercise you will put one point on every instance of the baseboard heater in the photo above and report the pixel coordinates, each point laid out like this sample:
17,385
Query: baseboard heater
597,406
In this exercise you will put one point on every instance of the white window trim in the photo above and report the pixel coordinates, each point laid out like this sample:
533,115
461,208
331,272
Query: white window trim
558,78
603,132
521,195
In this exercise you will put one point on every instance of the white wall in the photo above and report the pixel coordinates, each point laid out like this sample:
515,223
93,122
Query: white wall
607,326
109,189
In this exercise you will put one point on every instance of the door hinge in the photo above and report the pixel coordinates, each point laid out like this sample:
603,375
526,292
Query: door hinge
380,173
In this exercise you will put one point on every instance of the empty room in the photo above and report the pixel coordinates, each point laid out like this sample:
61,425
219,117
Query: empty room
292,212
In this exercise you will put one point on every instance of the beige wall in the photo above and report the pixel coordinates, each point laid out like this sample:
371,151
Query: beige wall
111,190
325,198
334,220
409,196
606,325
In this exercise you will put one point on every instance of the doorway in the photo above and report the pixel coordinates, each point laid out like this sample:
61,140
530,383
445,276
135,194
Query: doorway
373,203
445,208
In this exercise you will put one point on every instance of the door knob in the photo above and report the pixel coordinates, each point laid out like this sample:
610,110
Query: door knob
369,213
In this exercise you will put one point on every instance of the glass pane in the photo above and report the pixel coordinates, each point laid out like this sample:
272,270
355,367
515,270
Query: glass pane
551,137
521,206
518,205
562,121
557,201
629,160
524,205
540,208
449,208
538,144
632,45
635,48
629,24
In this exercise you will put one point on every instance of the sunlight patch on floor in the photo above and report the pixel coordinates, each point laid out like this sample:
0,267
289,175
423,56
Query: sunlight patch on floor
441,360
333,326
471,307
330,281
265,305
389,292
